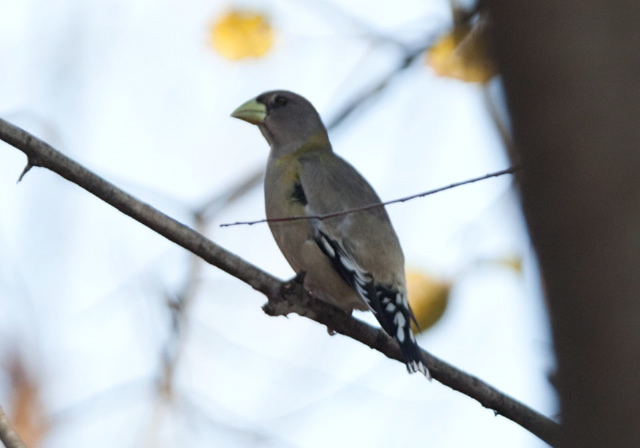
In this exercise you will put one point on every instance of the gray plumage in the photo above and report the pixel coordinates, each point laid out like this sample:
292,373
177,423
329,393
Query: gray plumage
353,261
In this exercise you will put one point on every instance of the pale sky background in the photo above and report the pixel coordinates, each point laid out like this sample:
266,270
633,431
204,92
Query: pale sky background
132,90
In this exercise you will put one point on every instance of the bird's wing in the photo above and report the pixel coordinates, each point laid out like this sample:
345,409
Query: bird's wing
388,303
362,246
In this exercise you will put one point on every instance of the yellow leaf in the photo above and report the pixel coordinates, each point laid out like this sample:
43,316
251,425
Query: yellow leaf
242,34
512,262
428,297
25,400
463,54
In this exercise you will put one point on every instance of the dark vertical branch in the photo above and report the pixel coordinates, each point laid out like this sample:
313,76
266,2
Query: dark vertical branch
571,73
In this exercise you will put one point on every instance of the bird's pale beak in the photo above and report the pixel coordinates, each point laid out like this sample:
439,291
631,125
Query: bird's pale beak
251,111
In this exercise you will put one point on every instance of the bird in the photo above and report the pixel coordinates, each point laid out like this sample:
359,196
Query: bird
353,260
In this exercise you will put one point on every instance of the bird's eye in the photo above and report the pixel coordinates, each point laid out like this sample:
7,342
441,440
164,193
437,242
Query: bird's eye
279,101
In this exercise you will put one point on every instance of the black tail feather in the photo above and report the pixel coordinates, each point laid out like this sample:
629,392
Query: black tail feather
397,317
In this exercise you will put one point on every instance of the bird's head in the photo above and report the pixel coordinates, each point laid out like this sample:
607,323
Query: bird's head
287,120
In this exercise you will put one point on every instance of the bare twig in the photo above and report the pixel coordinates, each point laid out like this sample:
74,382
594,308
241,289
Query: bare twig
205,212
335,11
377,204
8,435
180,303
408,58
283,298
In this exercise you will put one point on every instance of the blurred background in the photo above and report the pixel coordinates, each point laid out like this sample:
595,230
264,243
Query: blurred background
110,335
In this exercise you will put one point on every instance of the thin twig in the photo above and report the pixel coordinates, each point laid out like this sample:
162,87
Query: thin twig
377,204
218,202
283,298
180,303
407,60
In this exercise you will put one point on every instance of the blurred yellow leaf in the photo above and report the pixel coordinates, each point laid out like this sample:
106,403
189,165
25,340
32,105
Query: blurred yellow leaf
241,34
28,413
428,297
512,262
463,54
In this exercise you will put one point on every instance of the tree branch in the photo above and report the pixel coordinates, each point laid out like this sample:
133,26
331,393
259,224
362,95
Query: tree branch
283,298
8,435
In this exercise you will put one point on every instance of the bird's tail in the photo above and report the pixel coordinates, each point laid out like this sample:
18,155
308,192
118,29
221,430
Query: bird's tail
389,304
412,353
395,316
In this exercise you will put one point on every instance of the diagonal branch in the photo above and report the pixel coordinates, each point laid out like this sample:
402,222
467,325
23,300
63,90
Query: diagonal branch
283,298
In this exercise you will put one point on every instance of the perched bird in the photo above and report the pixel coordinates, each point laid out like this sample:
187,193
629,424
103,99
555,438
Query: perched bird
354,260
